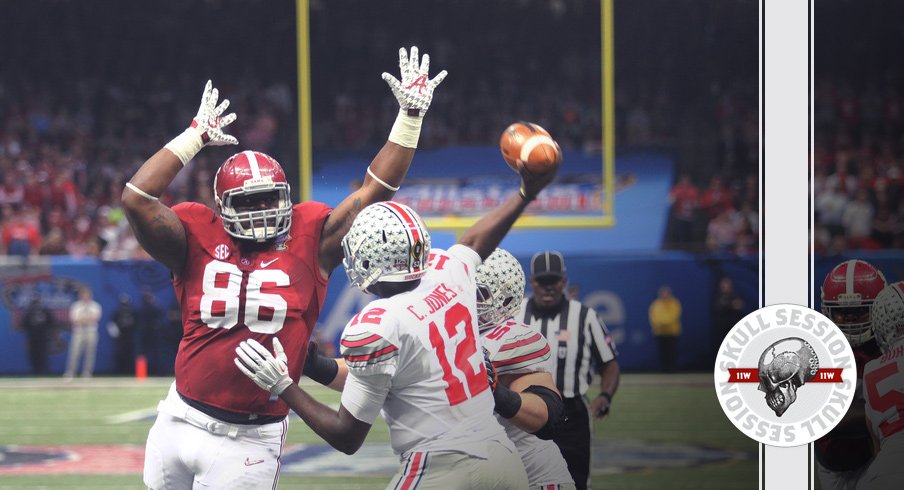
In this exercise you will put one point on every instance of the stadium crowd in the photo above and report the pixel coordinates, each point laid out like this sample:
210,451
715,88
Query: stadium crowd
67,142
858,123
858,181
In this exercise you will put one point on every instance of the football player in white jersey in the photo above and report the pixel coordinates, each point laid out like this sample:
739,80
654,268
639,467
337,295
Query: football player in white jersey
528,404
414,352
883,391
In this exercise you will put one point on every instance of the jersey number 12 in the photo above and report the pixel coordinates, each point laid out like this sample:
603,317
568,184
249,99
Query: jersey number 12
475,382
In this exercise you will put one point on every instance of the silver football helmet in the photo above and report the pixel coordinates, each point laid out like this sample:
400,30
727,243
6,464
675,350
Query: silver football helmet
887,315
387,242
500,289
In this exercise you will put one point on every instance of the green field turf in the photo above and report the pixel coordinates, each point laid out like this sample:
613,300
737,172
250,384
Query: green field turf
657,424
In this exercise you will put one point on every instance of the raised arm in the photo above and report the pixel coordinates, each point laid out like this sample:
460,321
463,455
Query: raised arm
485,235
386,172
155,225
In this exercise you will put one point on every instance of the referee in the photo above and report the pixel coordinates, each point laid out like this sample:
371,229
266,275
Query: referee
584,345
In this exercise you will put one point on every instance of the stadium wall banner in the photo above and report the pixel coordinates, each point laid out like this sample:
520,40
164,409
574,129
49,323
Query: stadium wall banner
447,185
619,286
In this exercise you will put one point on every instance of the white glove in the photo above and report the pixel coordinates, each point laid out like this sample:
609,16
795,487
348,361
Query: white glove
209,122
266,370
206,128
415,91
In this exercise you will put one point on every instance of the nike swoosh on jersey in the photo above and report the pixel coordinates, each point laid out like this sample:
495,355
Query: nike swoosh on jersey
265,264
249,462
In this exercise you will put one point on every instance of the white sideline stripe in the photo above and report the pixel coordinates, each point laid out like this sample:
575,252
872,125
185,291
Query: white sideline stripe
133,416
533,142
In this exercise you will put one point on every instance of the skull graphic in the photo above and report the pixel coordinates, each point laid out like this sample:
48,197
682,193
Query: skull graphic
784,367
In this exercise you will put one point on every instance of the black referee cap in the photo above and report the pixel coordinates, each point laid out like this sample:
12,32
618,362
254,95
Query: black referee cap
549,263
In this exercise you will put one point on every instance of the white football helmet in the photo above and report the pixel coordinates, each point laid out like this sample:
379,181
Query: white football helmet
387,242
887,315
500,289
253,196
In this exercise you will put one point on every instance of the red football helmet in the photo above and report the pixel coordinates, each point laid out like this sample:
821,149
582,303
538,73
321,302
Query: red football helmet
252,195
847,294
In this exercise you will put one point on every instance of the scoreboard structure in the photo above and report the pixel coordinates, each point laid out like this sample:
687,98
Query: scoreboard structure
598,191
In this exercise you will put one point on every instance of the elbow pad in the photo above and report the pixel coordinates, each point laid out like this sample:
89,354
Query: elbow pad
555,409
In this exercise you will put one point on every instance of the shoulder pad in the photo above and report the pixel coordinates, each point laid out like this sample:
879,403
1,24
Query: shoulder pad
520,350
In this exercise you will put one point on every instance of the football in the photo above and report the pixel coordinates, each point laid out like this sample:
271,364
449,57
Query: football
528,145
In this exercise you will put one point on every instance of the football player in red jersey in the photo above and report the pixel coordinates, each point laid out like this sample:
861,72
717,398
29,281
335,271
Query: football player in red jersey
256,269
847,293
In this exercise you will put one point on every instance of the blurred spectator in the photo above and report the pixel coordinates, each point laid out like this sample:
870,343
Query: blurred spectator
665,322
716,198
84,315
122,329
723,230
746,244
749,218
829,205
857,220
152,329
54,243
20,233
728,309
40,327
684,199
12,191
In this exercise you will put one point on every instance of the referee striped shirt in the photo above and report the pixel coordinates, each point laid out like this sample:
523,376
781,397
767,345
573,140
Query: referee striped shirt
580,338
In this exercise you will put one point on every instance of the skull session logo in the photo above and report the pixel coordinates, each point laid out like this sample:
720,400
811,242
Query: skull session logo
785,375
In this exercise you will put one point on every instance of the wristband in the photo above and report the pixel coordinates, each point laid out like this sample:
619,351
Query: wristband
186,145
508,403
406,130
607,396
140,192
380,181
524,195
